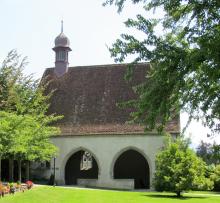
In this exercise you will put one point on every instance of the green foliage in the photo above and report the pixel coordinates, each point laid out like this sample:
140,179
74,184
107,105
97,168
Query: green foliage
178,169
18,92
8,131
215,177
184,57
25,128
209,170
210,153
25,137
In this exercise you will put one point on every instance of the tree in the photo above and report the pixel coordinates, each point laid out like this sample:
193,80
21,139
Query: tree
8,123
184,58
10,77
216,178
216,153
29,138
15,131
178,169
23,110
210,153
204,151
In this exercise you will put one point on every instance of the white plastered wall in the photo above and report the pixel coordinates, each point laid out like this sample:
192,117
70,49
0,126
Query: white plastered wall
106,149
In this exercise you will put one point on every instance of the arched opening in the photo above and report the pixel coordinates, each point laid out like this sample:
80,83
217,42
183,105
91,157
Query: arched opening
132,165
73,170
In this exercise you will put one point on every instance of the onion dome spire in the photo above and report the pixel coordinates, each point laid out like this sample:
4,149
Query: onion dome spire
61,48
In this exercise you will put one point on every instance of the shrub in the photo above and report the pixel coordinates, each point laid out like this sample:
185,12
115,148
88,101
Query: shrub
12,188
1,189
216,178
179,169
29,184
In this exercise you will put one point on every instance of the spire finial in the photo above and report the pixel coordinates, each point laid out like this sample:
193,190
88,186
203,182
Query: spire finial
61,26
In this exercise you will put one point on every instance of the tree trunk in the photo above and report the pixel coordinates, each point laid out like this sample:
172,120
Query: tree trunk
178,193
27,170
11,170
0,168
19,170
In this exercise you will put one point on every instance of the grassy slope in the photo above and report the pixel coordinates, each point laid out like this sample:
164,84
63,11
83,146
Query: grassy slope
64,195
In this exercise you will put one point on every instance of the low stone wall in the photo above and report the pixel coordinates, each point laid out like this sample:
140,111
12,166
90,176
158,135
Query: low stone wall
87,182
115,184
123,184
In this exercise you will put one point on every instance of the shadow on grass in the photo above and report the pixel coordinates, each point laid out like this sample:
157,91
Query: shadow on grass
160,196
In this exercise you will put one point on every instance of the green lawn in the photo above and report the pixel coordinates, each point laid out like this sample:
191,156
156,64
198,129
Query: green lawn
63,195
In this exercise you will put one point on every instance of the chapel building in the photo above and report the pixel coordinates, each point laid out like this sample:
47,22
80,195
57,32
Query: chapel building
119,155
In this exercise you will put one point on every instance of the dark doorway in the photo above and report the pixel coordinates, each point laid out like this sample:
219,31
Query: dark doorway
73,172
132,165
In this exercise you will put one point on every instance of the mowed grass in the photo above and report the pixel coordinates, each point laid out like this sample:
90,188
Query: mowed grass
46,194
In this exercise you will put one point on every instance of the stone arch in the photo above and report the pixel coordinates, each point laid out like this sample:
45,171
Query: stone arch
71,165
73,151
132,163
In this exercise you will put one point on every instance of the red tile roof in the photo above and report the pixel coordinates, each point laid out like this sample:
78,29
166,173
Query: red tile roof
87,96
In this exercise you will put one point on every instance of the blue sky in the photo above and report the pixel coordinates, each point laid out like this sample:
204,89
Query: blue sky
30,26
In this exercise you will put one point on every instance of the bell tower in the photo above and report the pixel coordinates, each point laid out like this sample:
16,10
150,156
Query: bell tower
61,49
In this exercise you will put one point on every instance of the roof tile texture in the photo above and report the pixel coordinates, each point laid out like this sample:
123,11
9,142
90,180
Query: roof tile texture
87,96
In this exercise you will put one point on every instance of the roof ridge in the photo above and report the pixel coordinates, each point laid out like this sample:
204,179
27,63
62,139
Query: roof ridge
104,65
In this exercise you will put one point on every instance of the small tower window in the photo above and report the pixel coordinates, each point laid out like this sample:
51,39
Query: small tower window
60,55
